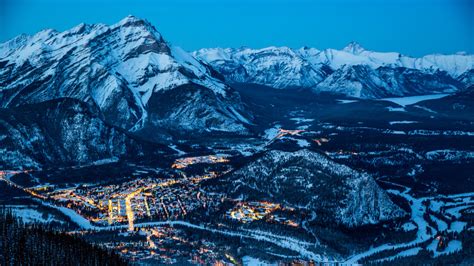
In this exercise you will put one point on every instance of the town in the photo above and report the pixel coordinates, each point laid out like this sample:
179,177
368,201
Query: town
145,199
149,198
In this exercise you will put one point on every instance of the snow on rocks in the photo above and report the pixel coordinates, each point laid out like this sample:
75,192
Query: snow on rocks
353,70
119,68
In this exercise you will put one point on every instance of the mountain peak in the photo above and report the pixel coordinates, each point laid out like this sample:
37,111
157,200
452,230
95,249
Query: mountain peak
125,69
130,19
354,48
136,22
138,25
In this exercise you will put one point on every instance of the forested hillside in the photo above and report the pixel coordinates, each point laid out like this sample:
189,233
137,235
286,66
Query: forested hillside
35,244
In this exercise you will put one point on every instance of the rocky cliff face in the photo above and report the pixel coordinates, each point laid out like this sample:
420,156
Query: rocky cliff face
118,69
352,71
278,67
364,82
306,179
60,132
467,78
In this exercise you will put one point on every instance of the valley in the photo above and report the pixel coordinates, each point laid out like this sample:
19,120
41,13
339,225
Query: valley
159,211
112,135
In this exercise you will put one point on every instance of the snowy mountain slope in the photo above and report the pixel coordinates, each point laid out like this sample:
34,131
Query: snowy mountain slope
355,54
356,81
365,82
283,67
117,68
60,132
335,192
467,78
280,67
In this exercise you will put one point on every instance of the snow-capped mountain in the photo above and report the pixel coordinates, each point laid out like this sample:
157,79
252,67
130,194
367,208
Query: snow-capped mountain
365,82
355,54
279,67
310,180
388,74
127,70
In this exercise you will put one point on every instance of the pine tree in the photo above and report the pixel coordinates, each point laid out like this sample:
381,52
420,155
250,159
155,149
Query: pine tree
35,244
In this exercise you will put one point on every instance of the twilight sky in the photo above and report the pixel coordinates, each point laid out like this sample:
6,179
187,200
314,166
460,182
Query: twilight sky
413,27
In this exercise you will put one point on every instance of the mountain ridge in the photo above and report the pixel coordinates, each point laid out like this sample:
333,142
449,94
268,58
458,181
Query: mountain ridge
117,68
310,68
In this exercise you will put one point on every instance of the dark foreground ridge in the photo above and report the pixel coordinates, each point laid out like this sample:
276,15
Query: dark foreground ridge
35,244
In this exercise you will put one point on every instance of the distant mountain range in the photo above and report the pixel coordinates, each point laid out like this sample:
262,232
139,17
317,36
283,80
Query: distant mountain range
352,71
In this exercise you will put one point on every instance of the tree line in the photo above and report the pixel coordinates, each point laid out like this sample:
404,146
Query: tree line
36,244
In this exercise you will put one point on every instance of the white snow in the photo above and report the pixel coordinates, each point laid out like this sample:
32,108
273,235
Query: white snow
301,247
250,261
436,204
106,161
115,67
396,132
302,120
347,101
442,225
396,109
31,215
271,133
175,148
402,122
282,67
404,101
456,212
417,211
409,226
449,155
405,253
303,143
453,246
74,216
457,226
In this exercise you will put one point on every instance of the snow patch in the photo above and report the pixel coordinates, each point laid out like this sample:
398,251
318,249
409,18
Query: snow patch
404,101
402,122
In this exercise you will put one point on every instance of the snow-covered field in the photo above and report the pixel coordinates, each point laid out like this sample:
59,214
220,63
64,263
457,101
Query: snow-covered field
30,214
402,122
74,216
404,101
249,261
347,101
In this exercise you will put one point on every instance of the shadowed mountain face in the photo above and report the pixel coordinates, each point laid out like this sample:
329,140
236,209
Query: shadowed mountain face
62,132
124,70
364,82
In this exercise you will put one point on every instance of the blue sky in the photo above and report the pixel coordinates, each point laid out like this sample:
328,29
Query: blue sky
413,27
